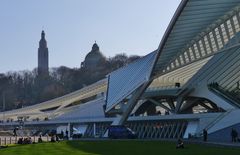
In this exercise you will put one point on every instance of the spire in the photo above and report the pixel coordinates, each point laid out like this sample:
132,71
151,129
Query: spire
95,47
43,35
43,42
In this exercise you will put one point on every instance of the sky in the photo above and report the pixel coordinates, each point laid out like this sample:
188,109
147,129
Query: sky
134,27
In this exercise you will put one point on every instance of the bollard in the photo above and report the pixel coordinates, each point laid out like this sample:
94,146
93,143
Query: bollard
5,139
10,140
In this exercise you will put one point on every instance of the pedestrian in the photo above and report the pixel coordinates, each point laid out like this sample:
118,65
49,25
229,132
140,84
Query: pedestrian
66,132
40,139
14,132
62,135
232,134
236,136
205,134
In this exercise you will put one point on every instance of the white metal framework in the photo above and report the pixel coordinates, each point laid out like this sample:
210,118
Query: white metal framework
191,82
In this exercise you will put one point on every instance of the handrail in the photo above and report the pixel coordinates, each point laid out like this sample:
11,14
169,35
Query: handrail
219,90
162,88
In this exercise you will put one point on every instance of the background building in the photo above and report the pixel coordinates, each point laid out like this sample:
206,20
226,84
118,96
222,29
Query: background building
43,56
94,59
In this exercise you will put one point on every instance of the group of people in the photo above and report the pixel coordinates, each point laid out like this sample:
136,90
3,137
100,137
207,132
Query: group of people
55,138
27,140
234,136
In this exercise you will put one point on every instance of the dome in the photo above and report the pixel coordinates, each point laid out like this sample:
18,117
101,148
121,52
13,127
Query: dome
94,58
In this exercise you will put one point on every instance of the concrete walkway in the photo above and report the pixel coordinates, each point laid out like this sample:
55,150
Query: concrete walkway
186,141
217,144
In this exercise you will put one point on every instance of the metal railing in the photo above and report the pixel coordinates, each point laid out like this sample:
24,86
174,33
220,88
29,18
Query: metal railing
221,91
162,88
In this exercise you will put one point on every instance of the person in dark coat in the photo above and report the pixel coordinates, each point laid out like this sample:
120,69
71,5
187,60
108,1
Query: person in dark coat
14,132
180,144
205,134
234,135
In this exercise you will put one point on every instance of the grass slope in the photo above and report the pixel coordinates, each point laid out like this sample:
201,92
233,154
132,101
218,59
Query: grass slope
115,148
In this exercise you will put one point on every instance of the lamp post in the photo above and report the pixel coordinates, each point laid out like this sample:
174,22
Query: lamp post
4,104
3,108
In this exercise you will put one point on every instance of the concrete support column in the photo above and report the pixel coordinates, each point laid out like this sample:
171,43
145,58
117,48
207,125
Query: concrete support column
179,104
69,130
160,104
131,104
94,129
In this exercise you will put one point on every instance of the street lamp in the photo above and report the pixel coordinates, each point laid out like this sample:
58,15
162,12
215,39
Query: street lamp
4,104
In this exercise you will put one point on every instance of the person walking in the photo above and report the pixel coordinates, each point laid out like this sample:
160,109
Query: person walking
205,134
234,135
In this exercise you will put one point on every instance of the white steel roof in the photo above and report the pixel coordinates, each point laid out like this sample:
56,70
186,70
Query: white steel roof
61,102
190,22
122,82
191,18
92,109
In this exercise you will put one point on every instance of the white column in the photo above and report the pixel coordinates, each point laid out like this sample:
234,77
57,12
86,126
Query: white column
69,130
94,129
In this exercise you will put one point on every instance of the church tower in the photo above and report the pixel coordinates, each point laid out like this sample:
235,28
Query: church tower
43,56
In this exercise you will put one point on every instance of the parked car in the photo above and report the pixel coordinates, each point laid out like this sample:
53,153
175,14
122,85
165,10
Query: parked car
121,132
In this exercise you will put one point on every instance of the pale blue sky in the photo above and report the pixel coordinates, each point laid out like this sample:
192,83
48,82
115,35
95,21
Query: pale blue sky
134,27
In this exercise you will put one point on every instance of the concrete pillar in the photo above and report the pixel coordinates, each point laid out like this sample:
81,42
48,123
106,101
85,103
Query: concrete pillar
131,104
69,130
94,129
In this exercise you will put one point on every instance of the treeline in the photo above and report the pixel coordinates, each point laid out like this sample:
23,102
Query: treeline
24,88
